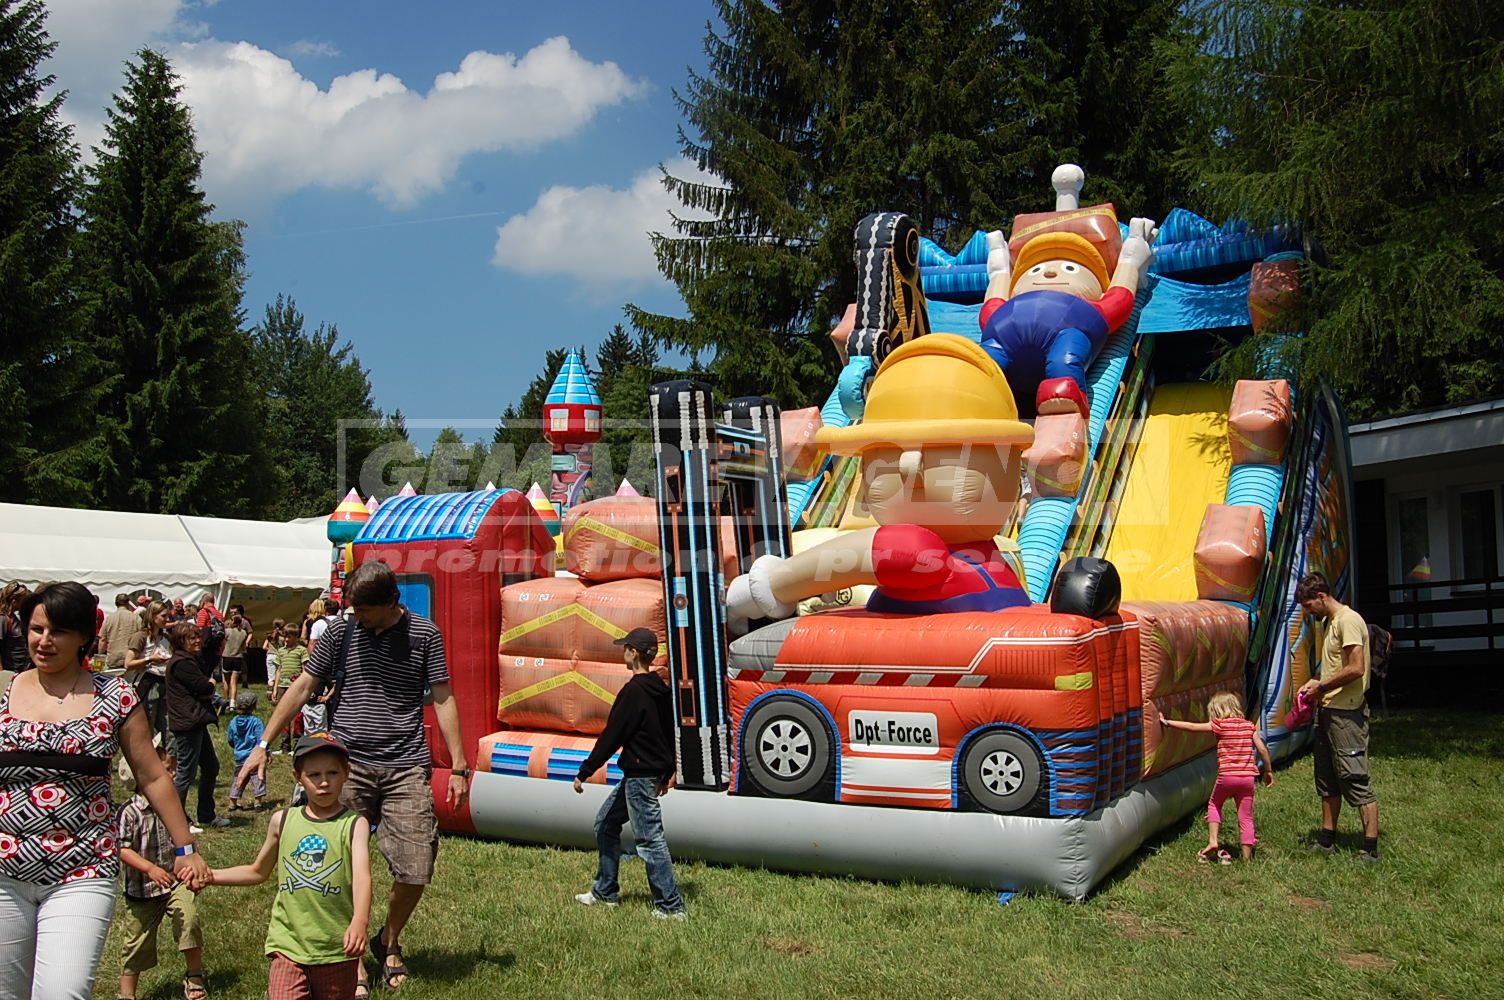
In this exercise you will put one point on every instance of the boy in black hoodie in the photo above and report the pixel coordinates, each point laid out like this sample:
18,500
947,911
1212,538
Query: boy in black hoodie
641,725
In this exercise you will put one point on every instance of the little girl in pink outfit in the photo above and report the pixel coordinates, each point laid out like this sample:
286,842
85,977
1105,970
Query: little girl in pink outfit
1237,770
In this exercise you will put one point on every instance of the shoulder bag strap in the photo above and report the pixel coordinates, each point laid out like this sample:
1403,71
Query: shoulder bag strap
340,660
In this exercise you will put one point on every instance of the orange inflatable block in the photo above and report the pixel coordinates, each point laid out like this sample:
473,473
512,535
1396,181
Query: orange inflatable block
609,611
1230,552
1097,223
1057,457
571,695
616,538
612,538
801,455
1188,651
1259,421
1274,296
536,619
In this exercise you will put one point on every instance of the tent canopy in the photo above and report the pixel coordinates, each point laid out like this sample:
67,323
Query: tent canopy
177,556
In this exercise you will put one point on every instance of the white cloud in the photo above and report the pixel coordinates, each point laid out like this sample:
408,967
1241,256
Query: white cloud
267,131
597,234
309,49
96,37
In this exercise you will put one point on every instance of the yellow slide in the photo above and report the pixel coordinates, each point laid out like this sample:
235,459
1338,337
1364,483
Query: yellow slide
1182,464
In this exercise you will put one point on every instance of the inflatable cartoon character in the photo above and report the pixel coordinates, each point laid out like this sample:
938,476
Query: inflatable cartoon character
941,447
1048,313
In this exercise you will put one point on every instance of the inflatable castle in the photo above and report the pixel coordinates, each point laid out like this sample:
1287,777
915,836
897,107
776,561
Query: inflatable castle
929,629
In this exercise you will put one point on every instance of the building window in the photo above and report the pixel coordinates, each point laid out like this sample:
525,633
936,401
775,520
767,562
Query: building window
558,420
1414,541
592,421
1478,534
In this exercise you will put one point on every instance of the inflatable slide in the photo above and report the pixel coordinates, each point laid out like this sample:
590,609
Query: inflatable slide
1025,598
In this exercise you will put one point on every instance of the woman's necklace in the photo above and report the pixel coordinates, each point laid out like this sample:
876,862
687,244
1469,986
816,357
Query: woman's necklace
59,698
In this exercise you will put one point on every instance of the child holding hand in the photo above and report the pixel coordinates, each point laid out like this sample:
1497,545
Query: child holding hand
1238,741
321,851
152,894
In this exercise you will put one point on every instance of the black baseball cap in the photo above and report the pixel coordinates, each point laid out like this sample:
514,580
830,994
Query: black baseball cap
314,744
641,639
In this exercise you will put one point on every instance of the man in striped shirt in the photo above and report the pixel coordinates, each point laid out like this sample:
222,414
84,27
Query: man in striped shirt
390,656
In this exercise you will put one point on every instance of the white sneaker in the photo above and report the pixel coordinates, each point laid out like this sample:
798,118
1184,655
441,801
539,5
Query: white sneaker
670,914
195,829
591,899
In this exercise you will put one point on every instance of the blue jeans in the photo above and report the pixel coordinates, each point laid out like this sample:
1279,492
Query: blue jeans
195,753
637,799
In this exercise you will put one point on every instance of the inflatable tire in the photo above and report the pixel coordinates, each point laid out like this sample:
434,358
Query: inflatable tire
1002,772
890,307
788,751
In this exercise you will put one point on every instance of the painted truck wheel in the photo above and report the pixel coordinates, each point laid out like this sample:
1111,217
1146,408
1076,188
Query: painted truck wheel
1002,772
788,750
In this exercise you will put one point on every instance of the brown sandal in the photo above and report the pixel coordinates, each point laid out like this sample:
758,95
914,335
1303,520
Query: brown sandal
196,990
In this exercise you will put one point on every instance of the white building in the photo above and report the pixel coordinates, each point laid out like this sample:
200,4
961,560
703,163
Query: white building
1429,505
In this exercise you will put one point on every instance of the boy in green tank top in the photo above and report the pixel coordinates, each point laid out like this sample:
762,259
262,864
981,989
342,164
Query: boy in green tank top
320,853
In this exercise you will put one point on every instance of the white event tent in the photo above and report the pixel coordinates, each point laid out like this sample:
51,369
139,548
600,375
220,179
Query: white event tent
171,556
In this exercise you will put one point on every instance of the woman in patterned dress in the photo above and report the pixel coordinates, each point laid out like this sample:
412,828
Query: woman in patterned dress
59,859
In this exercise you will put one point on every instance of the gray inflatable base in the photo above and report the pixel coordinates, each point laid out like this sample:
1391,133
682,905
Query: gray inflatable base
999,853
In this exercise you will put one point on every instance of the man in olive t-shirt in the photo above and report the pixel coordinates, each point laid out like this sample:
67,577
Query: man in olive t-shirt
1341,754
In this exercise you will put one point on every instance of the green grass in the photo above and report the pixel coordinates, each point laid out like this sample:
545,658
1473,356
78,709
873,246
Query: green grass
1427,922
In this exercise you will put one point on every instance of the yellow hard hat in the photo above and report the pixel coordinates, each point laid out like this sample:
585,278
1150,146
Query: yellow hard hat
1061,246
937,389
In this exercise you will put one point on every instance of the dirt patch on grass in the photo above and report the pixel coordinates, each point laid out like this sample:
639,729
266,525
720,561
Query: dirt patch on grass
1366,961
1308,904
790,946
1131,927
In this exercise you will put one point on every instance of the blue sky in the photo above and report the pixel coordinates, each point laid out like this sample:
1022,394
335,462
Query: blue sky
457,185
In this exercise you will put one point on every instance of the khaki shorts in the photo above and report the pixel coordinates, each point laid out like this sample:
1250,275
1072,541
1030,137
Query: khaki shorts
398,802
138,927
1342,755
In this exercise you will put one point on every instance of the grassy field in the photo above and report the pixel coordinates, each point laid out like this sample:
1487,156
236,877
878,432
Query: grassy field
1427,922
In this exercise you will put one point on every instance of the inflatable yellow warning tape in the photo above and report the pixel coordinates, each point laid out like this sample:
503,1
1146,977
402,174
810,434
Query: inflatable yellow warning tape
1273,454
615,534
1056,218
559,614
1244,592
1074,682
568,677
540,622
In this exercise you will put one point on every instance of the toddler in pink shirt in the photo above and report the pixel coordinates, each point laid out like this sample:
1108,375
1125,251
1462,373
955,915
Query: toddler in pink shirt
1238,741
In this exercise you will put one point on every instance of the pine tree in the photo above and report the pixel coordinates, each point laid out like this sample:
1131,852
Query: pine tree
626,370
319,411
1092,92
810,116
44,404
452,464
179,423
1379,127
518,450
616,352
394,462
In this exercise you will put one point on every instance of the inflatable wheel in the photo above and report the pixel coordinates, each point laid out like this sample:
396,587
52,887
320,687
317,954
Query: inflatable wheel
788,750
1002,772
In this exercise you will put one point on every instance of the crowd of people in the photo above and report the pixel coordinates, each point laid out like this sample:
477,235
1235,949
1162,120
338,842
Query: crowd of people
358,681
151,682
